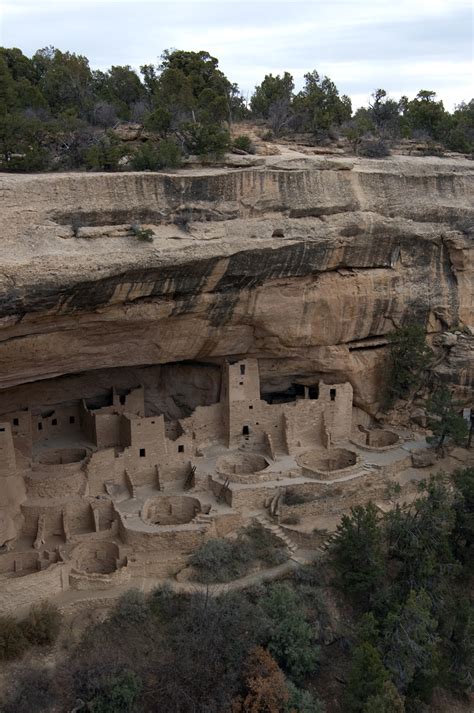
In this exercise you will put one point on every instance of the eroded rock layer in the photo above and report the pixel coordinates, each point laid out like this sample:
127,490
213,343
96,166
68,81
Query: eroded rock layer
303,264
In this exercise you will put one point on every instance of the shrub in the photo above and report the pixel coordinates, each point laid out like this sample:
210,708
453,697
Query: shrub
218,560
42,625
31,690
291,639
301,701
244,143
265,546
267,136
115,692
169,154
143,234
12,639
293,497
154,157
373,148
131,608
209,141
104,155
222,560
291,520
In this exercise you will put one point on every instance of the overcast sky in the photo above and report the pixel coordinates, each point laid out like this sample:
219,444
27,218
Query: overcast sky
400,45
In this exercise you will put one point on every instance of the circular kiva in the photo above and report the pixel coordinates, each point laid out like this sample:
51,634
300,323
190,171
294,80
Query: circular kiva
170,510
377,439
243,467
327,464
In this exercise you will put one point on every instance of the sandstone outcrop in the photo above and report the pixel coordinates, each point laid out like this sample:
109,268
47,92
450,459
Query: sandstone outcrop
297,263
177,350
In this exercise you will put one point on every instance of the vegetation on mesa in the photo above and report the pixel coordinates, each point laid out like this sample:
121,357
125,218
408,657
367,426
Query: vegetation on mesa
57,114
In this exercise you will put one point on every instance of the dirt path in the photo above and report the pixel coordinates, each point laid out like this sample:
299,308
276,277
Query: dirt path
72,597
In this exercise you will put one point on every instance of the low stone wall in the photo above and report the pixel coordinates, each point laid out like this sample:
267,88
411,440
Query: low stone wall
328,465
96,581
376,440
19,593
179,539
96,557
170,509
50,484
337,499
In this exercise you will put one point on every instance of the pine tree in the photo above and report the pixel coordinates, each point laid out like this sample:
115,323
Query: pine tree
367,678
444,418
358,553
409,358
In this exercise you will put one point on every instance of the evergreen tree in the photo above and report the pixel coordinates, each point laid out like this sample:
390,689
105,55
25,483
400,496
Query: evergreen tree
291,639
444,418
367,678
269,92
409,358
411,641
387,701
358,554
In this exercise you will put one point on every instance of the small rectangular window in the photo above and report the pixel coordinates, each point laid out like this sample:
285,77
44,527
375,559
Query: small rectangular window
54,422
2,430
250,406
40,426
72,419
332,394
180,449
16,422
242,369
142,453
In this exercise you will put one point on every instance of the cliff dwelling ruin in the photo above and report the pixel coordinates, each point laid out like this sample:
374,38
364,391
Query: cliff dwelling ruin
106,492
155,396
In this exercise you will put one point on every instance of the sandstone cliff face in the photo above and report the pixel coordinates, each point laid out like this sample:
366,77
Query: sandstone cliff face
304,264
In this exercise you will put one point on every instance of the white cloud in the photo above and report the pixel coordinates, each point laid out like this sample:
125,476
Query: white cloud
361,44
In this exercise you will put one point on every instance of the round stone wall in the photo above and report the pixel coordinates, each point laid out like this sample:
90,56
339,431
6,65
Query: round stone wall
170,510
243,467
377,439
328,464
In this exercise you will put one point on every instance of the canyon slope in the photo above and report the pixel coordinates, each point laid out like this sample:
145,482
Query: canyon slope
304,263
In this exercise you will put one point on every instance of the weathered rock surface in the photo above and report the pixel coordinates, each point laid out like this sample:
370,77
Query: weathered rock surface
298,263
423,458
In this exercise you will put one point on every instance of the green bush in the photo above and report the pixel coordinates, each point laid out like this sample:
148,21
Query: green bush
373,148
115,693
291,639
244,143
131,608
265,546
42,625
143,234
12,639
222,560
104,155
293,497
169,154
219,560
209,141
154,157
